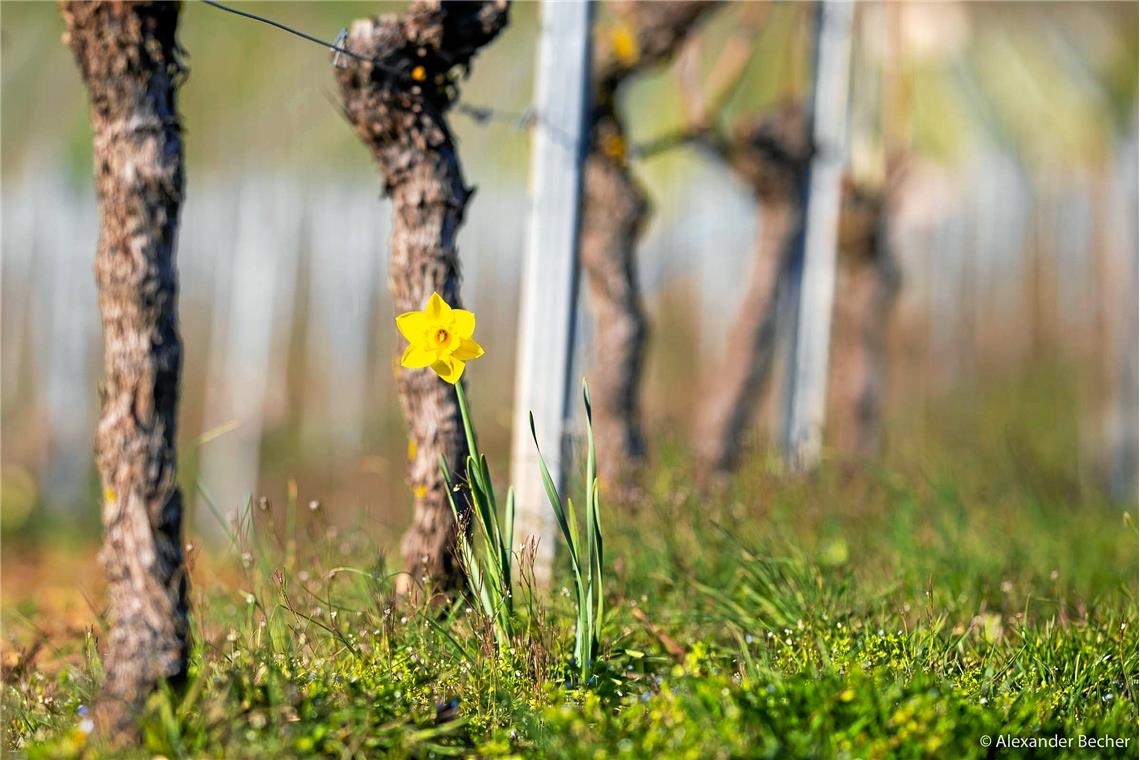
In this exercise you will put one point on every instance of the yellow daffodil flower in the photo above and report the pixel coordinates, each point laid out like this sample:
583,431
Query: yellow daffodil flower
440,338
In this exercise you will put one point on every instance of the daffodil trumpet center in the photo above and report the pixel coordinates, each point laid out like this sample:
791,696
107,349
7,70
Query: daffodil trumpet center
439,337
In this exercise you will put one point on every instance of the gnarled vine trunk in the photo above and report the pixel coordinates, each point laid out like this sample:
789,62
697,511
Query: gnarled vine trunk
866,285
130,63
771,155
397,101
614,214
740,379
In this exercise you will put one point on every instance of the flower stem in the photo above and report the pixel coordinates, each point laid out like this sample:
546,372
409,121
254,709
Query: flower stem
468,427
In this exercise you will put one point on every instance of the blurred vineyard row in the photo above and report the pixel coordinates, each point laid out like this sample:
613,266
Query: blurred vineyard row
1014,224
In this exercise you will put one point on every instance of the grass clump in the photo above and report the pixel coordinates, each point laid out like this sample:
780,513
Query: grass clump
903,612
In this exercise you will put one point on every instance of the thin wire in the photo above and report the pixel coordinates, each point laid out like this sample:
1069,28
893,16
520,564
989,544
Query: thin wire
479,114
484,115
330,45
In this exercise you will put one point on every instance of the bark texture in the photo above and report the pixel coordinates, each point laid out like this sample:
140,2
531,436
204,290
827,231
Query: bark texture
772,156
398,102
615,210
130,63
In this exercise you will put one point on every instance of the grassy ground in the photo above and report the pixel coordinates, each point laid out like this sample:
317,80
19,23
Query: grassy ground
970,587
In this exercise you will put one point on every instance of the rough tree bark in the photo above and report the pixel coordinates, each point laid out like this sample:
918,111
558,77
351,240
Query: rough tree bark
130,63
770,155
615,210
398,101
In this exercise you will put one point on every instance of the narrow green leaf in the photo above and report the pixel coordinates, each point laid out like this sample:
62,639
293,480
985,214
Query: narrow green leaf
510,529
597,566
552,494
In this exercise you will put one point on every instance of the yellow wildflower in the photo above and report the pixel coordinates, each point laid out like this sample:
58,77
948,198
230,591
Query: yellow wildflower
419,73
440,338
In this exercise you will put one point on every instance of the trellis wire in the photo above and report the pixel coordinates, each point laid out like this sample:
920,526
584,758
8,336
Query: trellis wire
479,114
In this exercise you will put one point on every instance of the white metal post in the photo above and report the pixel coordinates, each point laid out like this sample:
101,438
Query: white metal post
550,268
807,389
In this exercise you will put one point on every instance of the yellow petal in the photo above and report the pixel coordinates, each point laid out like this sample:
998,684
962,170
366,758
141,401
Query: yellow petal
437,309
450,369
416,357
464,325
468,350
412,325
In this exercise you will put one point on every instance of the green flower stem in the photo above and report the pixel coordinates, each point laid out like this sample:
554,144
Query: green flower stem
489,569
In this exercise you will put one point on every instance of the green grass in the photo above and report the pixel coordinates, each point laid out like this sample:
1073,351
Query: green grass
959,590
